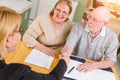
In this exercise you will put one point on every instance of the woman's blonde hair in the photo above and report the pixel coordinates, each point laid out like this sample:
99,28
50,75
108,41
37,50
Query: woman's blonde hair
9,22
67,2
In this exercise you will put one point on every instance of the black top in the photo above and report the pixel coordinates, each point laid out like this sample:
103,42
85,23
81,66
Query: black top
15,71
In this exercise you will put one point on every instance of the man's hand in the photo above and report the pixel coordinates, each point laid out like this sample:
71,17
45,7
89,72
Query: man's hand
87,66
66,57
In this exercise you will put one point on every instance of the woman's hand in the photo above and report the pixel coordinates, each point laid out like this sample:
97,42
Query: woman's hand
49,51
46,50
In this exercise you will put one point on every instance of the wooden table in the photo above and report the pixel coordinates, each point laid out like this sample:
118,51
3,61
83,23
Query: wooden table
22,52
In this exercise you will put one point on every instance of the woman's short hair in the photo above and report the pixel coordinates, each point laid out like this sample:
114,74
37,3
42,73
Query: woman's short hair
9,21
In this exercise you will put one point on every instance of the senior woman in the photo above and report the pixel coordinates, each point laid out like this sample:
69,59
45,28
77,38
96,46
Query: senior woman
49,31
9,37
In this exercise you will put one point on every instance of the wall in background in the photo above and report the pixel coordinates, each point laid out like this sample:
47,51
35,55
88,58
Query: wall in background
34,10
80,10
42,6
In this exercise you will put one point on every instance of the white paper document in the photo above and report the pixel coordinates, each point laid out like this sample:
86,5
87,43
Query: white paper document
39,58
97,74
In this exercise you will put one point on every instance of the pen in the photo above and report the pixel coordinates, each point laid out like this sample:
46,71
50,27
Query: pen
67,78
71,69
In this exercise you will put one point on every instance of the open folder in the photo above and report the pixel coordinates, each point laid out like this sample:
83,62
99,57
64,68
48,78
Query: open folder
97,74
39,58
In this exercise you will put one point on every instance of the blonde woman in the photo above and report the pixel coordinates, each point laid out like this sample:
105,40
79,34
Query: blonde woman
9,37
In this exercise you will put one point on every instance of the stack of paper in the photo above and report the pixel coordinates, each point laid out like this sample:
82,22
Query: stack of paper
39,58
97,74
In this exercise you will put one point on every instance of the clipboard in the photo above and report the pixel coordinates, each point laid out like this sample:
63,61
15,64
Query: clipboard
108,71
77,59
83,60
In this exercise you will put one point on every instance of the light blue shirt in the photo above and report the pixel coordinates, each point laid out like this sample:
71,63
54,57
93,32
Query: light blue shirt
103,45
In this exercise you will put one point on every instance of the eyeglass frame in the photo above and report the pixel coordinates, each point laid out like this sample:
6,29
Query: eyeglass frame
93,19
63,12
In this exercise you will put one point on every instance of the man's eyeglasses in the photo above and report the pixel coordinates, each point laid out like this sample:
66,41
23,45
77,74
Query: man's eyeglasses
93,19
63,12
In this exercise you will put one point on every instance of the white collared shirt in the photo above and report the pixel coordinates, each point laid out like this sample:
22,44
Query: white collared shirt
102,33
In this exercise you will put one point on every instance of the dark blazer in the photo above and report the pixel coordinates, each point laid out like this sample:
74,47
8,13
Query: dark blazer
15,71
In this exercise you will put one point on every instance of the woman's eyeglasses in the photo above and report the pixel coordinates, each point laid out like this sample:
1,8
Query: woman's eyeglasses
60,11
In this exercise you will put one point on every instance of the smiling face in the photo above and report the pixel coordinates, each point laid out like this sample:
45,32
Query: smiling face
61,13
94,19
98,18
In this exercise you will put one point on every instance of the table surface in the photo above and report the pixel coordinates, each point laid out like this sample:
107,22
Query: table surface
21,52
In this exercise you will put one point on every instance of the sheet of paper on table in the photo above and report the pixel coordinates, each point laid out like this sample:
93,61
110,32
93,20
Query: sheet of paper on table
97,74
39,58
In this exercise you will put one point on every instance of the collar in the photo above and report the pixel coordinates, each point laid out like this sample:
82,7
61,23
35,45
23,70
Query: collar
102,33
